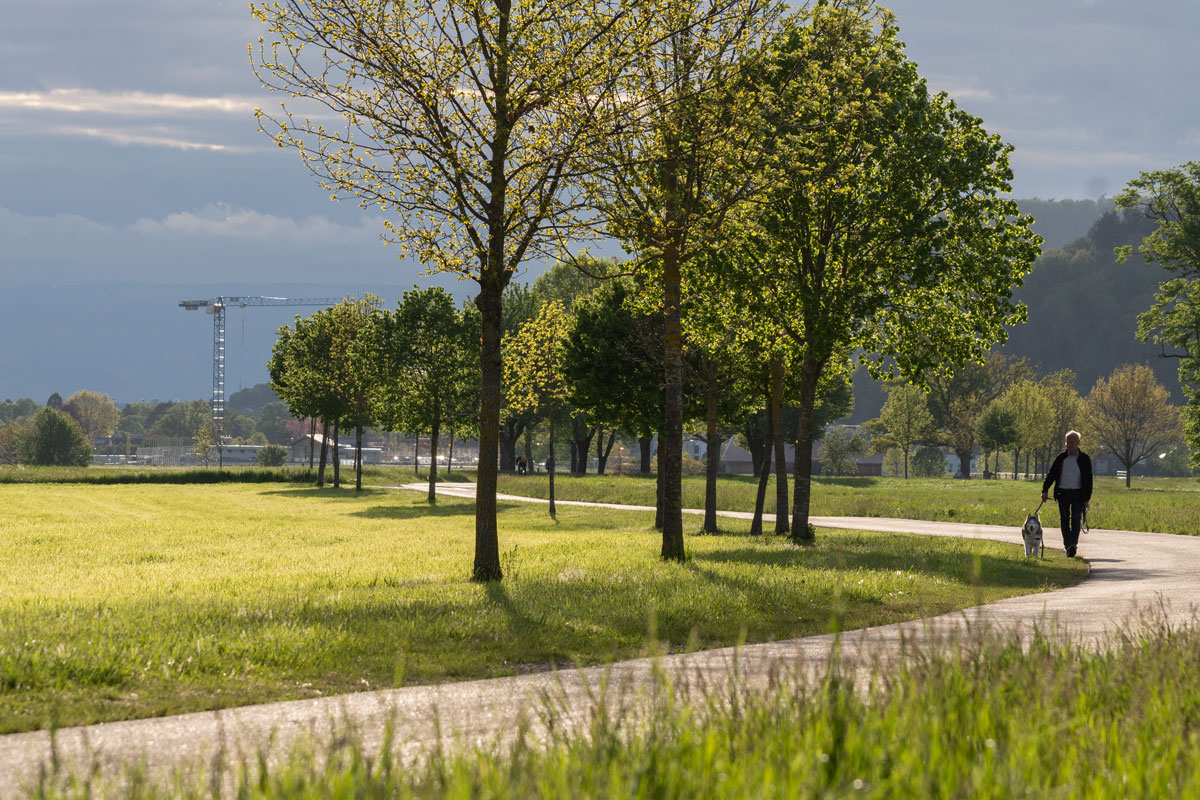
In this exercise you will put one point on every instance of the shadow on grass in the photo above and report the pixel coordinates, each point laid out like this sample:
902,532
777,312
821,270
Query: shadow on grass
961,566
442,509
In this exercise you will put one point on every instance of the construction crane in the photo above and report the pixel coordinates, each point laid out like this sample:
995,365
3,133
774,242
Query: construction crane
216,306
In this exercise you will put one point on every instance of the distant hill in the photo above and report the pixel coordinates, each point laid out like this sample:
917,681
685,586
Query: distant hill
1060,222
1083,306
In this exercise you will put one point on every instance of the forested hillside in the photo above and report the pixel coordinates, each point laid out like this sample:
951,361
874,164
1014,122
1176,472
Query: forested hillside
1083,306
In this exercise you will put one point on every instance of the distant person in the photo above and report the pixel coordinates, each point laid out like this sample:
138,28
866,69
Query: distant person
1071,474
521,467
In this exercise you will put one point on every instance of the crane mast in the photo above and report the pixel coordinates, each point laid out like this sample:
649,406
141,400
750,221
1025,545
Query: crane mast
217,306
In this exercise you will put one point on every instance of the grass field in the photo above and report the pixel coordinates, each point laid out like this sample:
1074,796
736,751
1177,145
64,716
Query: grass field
140,600
1164,505
981,718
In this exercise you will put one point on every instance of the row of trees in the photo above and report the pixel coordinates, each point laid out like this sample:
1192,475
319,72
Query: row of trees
1127,415
783,180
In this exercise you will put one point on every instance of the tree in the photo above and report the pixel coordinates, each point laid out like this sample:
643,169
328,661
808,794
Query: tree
181,421
612,362
55,440
1171,198
463,121
96,414
533,375
1131,416
904,422
996,430
10,442
273,425
887,231
55,402
299,368
273,455
838,449
348,321
1032,412
421,366
929,462
202,449
683,160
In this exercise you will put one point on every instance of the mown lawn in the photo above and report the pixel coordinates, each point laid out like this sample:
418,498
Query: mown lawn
1164,505
140,600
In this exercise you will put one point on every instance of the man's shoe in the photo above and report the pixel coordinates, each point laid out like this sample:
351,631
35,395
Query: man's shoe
1070,552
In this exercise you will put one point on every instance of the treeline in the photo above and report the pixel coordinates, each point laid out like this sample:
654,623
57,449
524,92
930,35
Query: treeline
89,417
1018,418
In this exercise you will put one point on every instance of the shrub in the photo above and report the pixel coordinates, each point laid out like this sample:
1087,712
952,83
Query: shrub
53,439
273,455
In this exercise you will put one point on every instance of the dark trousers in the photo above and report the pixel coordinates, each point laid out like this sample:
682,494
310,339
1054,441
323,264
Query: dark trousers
1070,512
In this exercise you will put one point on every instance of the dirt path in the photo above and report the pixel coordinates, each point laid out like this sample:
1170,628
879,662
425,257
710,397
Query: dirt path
1130,572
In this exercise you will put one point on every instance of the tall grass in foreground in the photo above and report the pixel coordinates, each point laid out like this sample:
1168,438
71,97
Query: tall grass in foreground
1165,505
985,717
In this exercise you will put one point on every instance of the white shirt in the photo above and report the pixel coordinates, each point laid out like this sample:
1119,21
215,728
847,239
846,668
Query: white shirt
1070,478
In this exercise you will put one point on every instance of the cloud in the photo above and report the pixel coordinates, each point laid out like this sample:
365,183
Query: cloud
92,101
223,220
122,137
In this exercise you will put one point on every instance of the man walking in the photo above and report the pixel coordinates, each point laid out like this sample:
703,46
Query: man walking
1071,474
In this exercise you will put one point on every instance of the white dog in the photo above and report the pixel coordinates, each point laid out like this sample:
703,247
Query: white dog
1031,532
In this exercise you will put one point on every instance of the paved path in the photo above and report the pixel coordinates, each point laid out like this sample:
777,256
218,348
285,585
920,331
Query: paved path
1130,572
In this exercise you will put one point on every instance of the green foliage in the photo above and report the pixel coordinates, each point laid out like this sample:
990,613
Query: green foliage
273,455
838,450
54,439
273,425
180,421
1131,416
16,411
1083,305
330,592
96,414
1171,198
905,421
929,462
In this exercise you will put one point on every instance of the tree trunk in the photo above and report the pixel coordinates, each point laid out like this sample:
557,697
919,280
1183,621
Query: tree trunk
324,453
810,374
510,434
550,469
583,445
574,451
658,498
487,540
358,431
529,449
434,435
906,449
760,498
337,455
781,481
964,463
312,438
602,451
644,443
1016,462
713,454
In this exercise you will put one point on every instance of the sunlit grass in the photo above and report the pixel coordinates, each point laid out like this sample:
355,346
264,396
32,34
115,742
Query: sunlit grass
133,601
1165,505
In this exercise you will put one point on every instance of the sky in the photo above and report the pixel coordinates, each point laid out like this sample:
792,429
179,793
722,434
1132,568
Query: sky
129,152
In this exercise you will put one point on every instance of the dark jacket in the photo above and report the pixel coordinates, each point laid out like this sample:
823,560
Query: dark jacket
1085,475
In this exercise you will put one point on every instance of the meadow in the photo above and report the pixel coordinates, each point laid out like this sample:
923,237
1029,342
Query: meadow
1163,505
136,600
983,717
